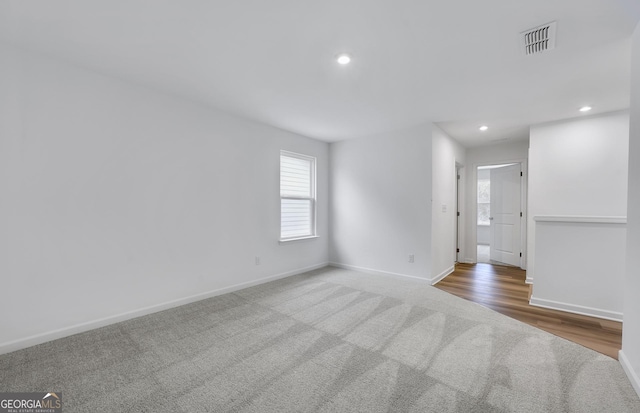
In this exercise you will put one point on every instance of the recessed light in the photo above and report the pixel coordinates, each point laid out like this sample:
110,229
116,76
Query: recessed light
343,59
483,128
585,109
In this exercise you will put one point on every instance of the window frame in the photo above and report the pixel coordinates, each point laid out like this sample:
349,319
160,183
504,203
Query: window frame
312,197
478,202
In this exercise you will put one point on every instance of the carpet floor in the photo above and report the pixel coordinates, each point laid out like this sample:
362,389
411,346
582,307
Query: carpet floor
330,340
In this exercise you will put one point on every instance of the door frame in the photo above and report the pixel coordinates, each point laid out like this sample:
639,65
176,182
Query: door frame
523,204
459,212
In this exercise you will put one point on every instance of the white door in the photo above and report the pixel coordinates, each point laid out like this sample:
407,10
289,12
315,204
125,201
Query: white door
505,214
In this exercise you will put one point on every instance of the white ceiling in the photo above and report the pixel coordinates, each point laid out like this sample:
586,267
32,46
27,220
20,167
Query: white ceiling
456,63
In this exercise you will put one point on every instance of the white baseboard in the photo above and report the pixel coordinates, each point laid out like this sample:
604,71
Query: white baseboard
468,261
443,274
631,374
22,343
376,272
576,309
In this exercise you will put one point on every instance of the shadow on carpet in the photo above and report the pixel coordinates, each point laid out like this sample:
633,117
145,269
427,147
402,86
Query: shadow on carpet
328,340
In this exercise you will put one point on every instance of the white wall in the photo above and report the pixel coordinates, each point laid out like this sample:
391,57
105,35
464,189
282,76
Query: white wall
486,155
381,202
578,168
630,354
116,198
446,152
580,267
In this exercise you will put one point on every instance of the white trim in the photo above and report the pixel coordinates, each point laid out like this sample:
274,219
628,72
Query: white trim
631,374
22,343
443,274
287,240
376,272
576,309
580,219
469,261
528,280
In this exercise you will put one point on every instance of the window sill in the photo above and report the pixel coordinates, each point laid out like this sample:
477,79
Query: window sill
288,240
484,225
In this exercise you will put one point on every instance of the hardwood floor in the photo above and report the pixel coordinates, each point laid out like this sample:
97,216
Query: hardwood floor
503,289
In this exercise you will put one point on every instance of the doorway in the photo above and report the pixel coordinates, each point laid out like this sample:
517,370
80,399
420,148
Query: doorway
499,214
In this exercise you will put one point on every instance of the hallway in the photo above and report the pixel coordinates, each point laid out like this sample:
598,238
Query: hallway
503,289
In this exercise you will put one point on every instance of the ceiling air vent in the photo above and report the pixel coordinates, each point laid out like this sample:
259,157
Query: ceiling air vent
539,39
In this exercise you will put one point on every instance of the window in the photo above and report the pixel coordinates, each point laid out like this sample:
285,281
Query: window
297,196
484,201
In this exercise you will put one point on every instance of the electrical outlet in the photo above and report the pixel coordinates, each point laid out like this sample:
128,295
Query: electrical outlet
257,260
411,258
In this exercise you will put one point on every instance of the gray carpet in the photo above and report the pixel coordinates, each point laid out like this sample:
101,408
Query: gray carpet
328,340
